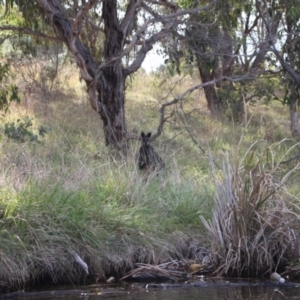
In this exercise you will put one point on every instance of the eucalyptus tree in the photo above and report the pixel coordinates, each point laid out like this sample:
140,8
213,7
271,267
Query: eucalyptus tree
259,40
229,45
284,44
127,29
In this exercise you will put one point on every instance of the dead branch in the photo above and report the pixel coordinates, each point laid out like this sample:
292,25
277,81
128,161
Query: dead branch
193,138
188,92
31,32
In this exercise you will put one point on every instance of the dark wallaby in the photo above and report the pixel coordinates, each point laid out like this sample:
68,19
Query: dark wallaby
148,160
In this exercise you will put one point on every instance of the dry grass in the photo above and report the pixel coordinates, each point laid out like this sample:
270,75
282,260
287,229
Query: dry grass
255,226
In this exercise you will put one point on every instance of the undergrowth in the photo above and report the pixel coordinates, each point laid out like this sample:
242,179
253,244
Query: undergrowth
254,228
110,220
69,193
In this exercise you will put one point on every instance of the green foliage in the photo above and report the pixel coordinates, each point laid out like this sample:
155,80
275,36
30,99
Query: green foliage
294,13
22,14
22,131
10,15
235,96
173,68
30,11
186,3
8,92
290,51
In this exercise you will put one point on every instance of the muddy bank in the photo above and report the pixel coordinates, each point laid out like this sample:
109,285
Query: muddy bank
183,273
172,275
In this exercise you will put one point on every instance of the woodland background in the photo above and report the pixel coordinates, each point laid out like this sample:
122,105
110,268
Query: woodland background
223,110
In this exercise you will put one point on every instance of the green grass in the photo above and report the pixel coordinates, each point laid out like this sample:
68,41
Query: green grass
70,193
102,221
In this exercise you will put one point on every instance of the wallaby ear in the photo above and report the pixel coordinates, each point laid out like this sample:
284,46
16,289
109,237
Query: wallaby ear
149,134
142,134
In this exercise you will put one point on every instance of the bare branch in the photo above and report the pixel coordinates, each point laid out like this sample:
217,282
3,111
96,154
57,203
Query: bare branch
63,28
146,47
182,12
246,32
183,120
151,11
2,40
189,91
264,46
272,43
169,21
291,159
31,32
127,23
166,3
182,117
81,14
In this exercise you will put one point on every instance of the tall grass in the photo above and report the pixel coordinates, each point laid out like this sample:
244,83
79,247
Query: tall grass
99,208
70,194
255,223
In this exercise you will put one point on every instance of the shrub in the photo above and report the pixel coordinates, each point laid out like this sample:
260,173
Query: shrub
22,132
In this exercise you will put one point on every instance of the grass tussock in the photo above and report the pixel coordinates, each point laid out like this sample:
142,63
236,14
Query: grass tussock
255,222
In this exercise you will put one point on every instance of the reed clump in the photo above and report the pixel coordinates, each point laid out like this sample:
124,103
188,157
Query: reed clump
255,226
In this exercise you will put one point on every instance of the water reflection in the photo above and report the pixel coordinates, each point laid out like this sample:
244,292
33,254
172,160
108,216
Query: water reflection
138,291
224,293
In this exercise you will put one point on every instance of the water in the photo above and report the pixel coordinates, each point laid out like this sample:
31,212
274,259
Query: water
235,291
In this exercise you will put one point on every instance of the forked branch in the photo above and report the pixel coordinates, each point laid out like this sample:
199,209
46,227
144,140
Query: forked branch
188,92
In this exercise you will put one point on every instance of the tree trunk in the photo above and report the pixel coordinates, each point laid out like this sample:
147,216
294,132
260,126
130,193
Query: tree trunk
111,88
214,103
105,77
294,119
106,88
